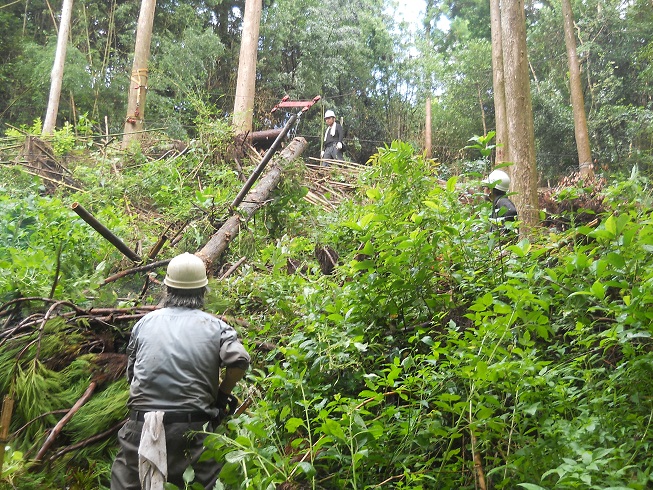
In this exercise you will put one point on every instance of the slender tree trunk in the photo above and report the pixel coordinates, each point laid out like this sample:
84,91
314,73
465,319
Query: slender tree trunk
519,111
576,89
502,143
246,84
480,103
427,132
56,77
138,81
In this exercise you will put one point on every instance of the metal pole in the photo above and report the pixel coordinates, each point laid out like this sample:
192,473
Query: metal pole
106,233
261,166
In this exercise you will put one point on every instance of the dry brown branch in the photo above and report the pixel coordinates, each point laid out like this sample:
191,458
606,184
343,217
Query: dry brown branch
60,425
233,268
89,441
136,270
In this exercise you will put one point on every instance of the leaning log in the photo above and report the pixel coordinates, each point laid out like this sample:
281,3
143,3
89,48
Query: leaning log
259,139
255,199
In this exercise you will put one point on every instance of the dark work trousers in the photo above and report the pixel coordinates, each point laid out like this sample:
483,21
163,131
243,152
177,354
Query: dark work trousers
332,153
183,450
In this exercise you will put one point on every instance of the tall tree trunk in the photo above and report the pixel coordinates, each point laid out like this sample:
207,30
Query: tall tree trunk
56,77
138,81
246,84
502,143
576,89
519,111
427,133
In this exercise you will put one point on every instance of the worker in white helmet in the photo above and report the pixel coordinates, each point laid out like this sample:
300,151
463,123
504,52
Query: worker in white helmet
333,146
177,390
496,187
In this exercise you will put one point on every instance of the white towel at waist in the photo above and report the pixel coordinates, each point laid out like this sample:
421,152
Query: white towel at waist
152,453
332,128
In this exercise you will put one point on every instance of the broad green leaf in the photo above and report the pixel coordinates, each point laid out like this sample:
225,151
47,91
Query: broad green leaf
615,260
235,456
373,193
451,183
352,225
598,290
363,453
331,427
189,475
481,369
611,225
293,424
363,265
368,249
306,468
370,218
431,204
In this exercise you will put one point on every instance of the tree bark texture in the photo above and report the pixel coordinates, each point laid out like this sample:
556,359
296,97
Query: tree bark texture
577,99
502,143
138,80
256,198
519,111
56,77
246,83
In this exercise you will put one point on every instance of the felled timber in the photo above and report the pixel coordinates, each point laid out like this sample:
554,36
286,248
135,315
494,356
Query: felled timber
255,199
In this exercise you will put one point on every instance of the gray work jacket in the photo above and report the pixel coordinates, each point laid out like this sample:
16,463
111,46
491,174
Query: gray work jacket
174,360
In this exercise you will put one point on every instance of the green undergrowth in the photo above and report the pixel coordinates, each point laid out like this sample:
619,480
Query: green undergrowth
436,354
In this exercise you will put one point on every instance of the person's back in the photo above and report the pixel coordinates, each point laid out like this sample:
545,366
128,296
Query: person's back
177,355
174,361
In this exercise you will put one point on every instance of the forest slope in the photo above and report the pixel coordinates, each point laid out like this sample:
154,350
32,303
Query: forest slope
435,355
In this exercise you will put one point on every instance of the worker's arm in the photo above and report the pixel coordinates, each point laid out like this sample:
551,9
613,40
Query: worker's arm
231,377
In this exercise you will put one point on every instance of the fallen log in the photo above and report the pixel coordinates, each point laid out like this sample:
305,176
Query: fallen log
256,198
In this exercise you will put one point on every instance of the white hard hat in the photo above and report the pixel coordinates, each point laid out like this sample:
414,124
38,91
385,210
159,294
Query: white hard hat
186,271
499,179
329,113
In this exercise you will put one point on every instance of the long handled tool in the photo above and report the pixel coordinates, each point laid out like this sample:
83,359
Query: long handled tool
303,105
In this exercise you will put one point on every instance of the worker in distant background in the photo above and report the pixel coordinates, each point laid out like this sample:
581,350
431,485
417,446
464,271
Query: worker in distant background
333,146
175,355
496,186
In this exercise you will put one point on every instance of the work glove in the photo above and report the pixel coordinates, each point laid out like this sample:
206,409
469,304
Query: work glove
226,404
339,145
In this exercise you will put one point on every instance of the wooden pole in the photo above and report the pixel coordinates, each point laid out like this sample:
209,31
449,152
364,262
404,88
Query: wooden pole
56,77
5,422
138,80
246,83
427,132
106,233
